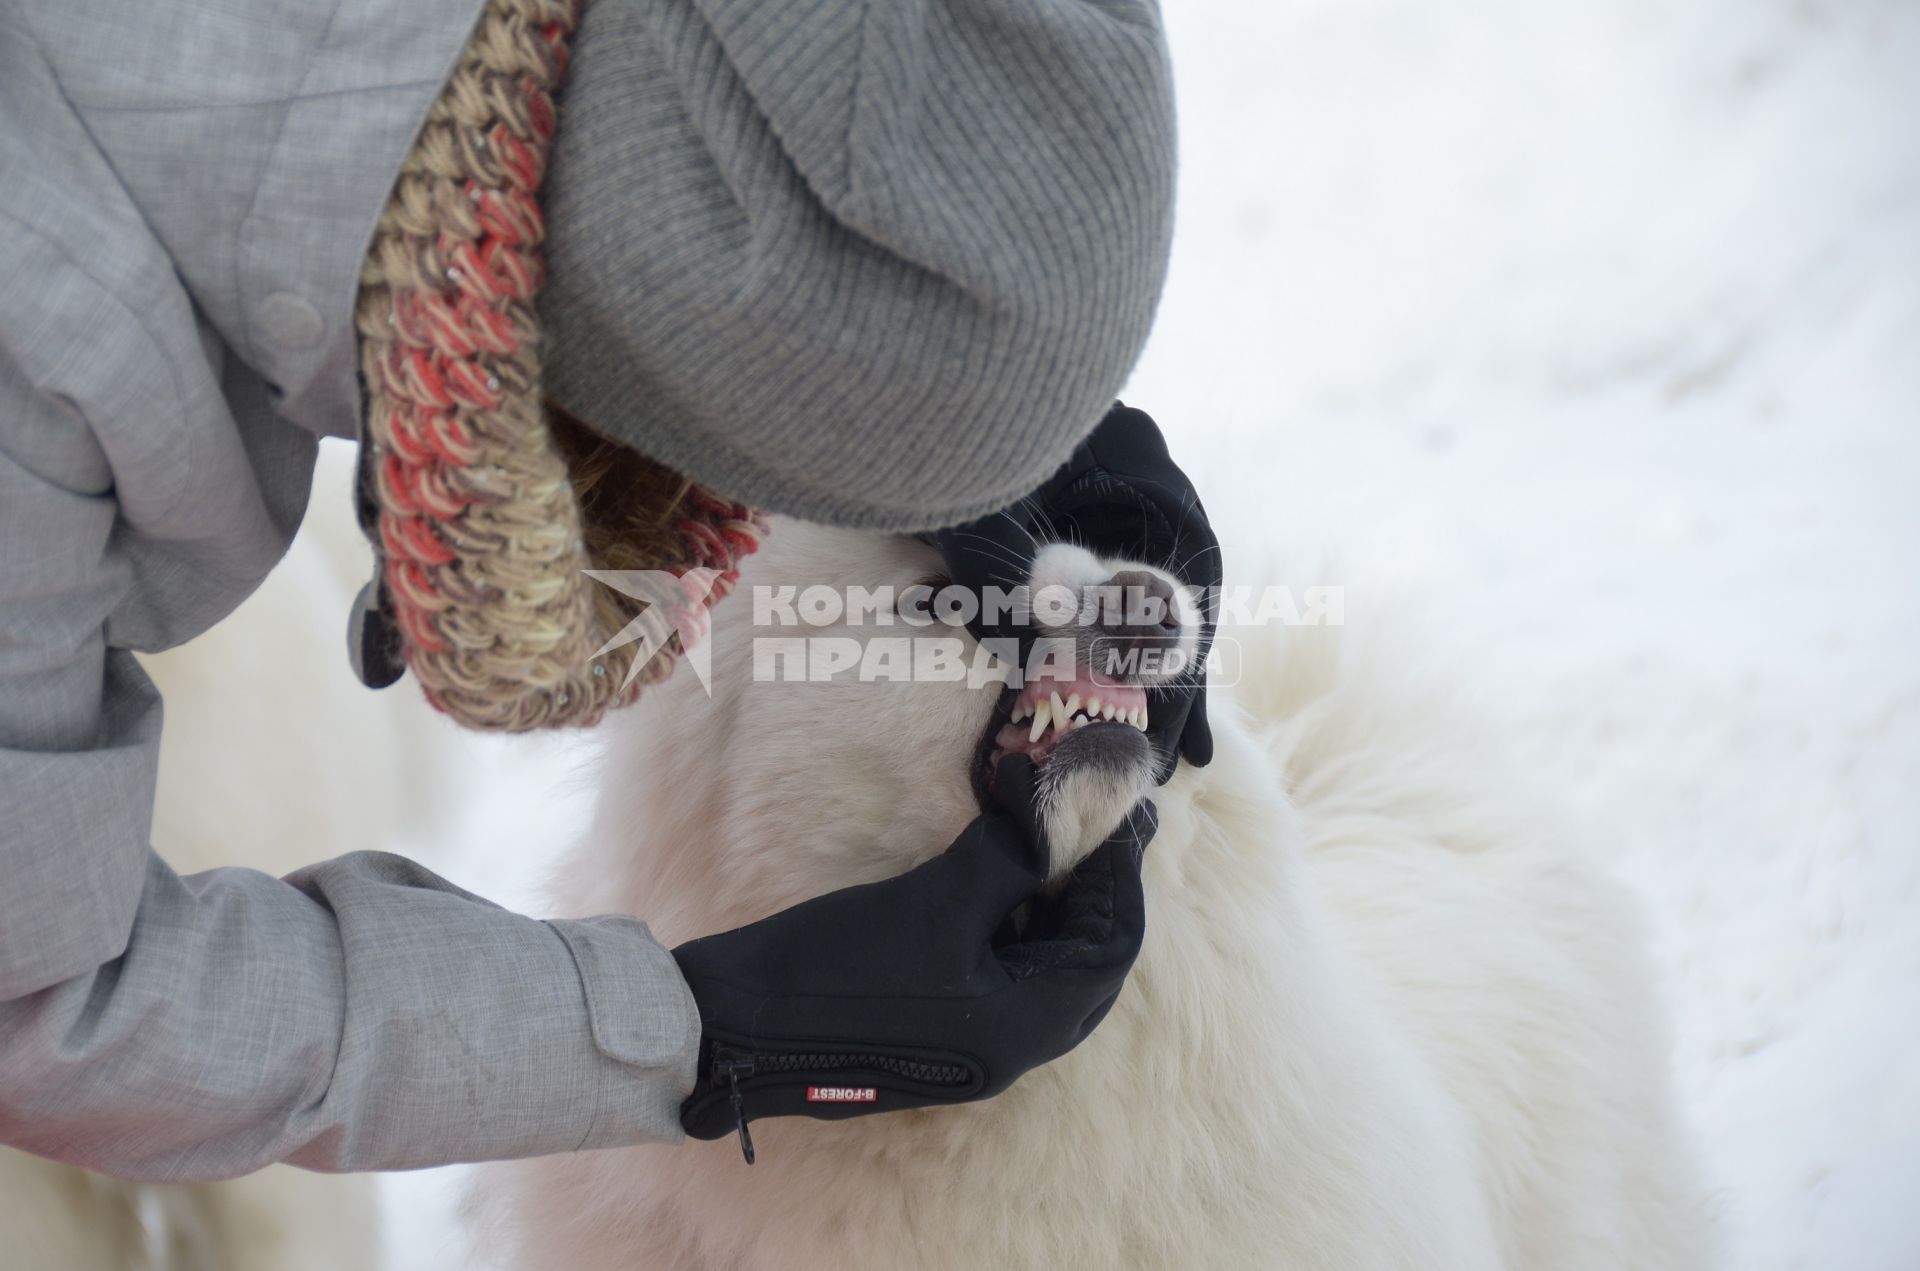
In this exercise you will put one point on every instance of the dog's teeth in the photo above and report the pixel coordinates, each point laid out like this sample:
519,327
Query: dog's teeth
1073,704
1060,711
1019,713
1111,709
1138,718
1081,721
1093,708
1042,712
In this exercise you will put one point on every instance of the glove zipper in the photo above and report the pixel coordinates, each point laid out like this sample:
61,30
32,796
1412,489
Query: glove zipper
731,1067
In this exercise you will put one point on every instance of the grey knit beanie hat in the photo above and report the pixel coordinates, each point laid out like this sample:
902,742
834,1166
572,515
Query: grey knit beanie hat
876,265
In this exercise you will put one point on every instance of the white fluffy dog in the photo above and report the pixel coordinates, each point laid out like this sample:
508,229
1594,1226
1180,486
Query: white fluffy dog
1378,1021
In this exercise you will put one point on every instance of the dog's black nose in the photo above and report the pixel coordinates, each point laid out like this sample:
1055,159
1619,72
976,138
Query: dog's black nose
1138,603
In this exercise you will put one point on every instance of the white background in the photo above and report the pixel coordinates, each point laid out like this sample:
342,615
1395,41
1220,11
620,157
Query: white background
1594,327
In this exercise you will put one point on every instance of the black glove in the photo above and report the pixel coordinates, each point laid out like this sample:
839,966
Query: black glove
1119,494
917,990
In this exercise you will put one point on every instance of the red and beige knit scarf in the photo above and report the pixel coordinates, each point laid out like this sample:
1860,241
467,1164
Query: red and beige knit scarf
482,534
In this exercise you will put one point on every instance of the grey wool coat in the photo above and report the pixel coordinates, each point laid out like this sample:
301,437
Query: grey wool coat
187,191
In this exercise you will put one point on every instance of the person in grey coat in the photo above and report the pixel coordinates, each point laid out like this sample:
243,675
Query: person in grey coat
880,266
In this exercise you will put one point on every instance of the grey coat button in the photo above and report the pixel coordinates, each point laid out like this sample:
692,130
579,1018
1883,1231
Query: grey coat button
290,321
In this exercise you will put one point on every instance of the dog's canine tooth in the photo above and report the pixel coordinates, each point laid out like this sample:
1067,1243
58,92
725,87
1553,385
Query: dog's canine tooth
1060,712
1042,712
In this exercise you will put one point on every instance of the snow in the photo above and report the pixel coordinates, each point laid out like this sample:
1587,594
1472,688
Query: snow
1595,325
1599,324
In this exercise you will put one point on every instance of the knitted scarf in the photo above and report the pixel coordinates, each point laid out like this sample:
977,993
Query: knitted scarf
482,537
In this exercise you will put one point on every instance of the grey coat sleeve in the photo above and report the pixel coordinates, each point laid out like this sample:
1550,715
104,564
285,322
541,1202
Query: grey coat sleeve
360,1014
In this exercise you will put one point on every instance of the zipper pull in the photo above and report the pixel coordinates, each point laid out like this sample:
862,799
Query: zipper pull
730,1066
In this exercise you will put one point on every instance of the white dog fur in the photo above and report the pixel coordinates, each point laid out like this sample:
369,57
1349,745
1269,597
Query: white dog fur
1382,1018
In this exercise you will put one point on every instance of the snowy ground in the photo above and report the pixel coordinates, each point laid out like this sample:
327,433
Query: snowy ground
1595,324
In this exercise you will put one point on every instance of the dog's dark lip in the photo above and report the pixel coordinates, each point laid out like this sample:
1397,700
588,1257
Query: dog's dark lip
983,751
1106,745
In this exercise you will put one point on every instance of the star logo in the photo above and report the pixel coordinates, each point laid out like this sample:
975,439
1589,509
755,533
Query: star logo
669,603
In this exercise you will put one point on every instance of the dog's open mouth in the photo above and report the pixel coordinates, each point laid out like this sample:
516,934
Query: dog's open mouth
1051,706
1065,716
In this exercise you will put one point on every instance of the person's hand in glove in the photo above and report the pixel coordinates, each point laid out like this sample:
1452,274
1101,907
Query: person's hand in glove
916,990
1119,494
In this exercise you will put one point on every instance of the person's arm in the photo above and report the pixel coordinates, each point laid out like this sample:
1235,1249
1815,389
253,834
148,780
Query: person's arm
362,1014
